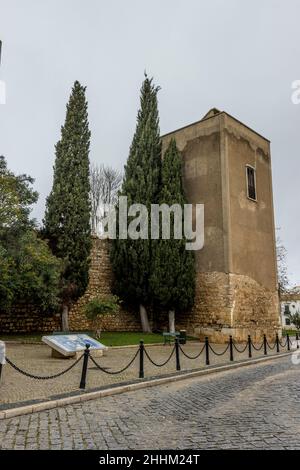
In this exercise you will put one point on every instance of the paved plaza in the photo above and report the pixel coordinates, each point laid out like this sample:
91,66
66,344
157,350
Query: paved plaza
254,407
37,360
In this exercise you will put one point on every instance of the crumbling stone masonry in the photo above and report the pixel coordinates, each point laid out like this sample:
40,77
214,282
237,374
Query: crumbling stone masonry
100,284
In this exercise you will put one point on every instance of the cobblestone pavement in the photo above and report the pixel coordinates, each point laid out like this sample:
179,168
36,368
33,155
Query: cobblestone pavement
37,360
255,407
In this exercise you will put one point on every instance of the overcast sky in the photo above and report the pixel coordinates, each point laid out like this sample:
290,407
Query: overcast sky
238,56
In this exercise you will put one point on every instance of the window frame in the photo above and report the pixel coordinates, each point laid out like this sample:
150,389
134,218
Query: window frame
255,183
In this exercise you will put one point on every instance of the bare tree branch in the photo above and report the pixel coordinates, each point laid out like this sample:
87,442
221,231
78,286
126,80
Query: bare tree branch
283,279
105,184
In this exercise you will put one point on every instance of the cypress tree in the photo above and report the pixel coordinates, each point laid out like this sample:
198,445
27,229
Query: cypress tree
67,217
131,259
172,279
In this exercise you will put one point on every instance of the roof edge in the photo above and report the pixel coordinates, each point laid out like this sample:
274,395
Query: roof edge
211,117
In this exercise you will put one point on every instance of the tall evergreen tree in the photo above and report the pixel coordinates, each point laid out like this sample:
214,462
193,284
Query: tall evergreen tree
131,259
172,280
67,217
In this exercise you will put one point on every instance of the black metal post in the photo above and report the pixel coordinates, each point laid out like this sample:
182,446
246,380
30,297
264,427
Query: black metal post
84,366
177,354
249,346
206,351
0,371
141,374
277,343
297,339
231,347
265,345
288,342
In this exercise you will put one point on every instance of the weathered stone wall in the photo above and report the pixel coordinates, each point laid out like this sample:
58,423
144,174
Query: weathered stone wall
24,319
100,283
225,304
231,304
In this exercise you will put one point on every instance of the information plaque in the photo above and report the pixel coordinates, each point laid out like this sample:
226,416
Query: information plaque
69,345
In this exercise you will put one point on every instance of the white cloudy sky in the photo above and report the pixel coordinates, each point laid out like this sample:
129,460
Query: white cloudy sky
239,56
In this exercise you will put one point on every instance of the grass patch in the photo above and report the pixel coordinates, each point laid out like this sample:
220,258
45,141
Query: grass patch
108,338
289,332
122,338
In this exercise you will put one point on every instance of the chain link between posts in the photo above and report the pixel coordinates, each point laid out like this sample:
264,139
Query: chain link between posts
241,351
217,353
117,371
192,357
42,377
155,363
143,351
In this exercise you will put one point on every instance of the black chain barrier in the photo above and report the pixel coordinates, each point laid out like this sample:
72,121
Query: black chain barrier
155,363
241,351
271,347
192,357
42,377
257,349
283,345
116,372
142,352
217,353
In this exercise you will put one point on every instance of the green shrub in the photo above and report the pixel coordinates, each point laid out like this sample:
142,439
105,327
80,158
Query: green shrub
295,319
98,307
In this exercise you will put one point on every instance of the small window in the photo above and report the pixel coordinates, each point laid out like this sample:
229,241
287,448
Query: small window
287,309
287,321
251,182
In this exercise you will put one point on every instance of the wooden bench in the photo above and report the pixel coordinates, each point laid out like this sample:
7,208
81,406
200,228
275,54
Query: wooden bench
168,336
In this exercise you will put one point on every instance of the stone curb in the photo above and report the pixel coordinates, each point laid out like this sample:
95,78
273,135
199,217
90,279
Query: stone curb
40,343
50,404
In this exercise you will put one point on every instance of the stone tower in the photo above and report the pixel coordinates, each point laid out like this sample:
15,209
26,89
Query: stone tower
227,167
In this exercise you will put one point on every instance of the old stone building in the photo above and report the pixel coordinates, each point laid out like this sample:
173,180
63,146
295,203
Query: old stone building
227,167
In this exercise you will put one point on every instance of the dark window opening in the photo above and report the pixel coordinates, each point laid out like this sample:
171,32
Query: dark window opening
286,309
251,182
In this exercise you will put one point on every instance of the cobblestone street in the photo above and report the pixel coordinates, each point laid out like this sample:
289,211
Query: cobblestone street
255,407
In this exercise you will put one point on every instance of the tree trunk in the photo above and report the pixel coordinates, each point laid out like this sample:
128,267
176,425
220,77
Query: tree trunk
65,318
172,321
144,320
